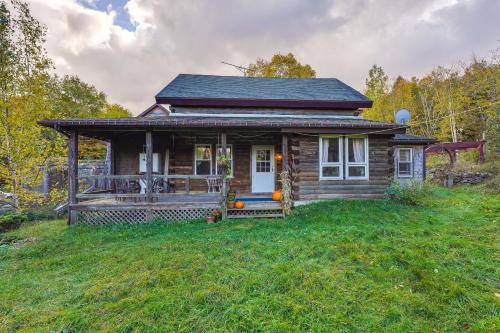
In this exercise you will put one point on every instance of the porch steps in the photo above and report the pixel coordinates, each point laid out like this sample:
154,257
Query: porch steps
257,209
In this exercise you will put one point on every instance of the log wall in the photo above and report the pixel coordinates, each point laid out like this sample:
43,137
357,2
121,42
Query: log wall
305,166
181,155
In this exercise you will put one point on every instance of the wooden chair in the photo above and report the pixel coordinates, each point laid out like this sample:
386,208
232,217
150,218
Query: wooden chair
214,184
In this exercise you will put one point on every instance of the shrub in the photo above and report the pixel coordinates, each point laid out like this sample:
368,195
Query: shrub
412,193
12,221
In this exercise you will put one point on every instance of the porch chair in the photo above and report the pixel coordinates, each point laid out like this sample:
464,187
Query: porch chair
214,184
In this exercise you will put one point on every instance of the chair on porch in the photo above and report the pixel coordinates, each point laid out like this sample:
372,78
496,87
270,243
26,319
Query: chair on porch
214,184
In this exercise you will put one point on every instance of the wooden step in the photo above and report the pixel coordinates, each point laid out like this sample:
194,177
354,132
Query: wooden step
254,216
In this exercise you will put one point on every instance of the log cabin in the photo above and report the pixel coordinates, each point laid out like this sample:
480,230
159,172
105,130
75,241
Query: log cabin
207,135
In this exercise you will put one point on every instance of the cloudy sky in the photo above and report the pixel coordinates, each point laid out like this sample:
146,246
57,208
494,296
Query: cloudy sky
131,48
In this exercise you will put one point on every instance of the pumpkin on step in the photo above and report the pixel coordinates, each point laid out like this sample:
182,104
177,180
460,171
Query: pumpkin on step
276,195
239,204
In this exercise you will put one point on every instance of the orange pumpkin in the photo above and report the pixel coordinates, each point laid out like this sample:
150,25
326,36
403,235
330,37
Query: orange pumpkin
277,195
239,204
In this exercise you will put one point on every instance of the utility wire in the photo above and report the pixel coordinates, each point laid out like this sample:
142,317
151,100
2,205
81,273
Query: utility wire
419,123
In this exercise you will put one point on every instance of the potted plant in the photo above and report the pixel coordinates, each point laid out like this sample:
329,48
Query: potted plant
210,219
217,214
230,199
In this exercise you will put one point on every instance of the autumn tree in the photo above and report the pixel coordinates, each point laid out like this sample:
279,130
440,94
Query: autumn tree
29,91
280,66
25,97
377,85
456,103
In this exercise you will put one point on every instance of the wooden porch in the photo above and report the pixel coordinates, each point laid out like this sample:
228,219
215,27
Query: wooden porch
171,189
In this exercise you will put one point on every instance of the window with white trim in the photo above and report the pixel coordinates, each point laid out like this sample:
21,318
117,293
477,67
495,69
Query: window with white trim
202,159
229,154
356,157
142,162
331,157
404,162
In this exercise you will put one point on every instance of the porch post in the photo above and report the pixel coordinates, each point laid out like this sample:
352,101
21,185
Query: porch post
72,175
284,151
149,166
223,190
223,139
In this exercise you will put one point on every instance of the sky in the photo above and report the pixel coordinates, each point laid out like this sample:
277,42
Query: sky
130,49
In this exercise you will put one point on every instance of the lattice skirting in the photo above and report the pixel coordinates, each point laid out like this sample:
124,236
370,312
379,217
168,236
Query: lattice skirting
137,216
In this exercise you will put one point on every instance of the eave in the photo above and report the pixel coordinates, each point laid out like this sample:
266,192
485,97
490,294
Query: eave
268,103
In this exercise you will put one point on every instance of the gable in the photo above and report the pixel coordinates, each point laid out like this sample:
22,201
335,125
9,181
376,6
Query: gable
155,110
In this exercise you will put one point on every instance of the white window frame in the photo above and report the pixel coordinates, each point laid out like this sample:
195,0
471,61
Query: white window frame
230,146
339,164
143,163
196,160
410,161
356,164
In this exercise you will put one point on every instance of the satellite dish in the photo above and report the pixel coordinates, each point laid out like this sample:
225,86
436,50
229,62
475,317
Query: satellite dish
402,116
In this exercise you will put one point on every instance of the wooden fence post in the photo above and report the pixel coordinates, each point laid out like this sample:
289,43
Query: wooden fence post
72,175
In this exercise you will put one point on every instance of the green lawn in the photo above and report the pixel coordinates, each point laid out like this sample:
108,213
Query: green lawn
359,266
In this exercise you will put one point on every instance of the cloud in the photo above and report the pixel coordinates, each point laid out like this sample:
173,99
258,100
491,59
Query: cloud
338,38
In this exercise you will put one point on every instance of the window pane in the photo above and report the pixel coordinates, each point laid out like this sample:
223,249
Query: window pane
203,153
357,171
264,166
202,167
331,171
228,151
404,155
356,147
330,149
404,169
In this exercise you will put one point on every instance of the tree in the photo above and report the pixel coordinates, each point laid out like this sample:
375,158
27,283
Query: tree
29,91
451,104
280,66
376,89
25,98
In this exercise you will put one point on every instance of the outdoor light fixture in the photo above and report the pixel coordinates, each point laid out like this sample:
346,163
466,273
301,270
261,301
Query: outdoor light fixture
278,157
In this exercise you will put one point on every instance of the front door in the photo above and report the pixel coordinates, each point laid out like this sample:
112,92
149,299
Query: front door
262,169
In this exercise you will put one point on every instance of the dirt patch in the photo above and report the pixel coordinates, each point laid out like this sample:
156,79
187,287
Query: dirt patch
16,242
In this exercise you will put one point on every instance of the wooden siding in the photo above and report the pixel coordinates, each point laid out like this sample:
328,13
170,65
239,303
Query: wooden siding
305,166
265,111
303,156
181,155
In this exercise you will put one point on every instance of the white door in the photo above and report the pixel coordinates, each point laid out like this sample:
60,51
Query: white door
262,169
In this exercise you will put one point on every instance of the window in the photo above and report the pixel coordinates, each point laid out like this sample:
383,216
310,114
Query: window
142,162
404,162
331,156
357,157
229,153
203,159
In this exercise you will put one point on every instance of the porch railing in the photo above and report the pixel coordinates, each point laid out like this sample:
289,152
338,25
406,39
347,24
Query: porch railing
135,186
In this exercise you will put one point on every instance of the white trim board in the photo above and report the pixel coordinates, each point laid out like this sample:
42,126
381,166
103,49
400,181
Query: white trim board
261,115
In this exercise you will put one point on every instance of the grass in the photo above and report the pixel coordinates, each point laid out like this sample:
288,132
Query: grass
361,266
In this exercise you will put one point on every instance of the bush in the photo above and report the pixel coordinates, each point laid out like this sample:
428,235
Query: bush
412,193
12,221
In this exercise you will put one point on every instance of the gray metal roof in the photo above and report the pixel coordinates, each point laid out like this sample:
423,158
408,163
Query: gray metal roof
217,122
258,88
409,138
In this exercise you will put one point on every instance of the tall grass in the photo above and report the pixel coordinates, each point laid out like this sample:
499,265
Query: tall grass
359,266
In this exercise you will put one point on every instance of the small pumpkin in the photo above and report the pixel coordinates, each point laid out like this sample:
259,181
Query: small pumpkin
239,204
276,196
